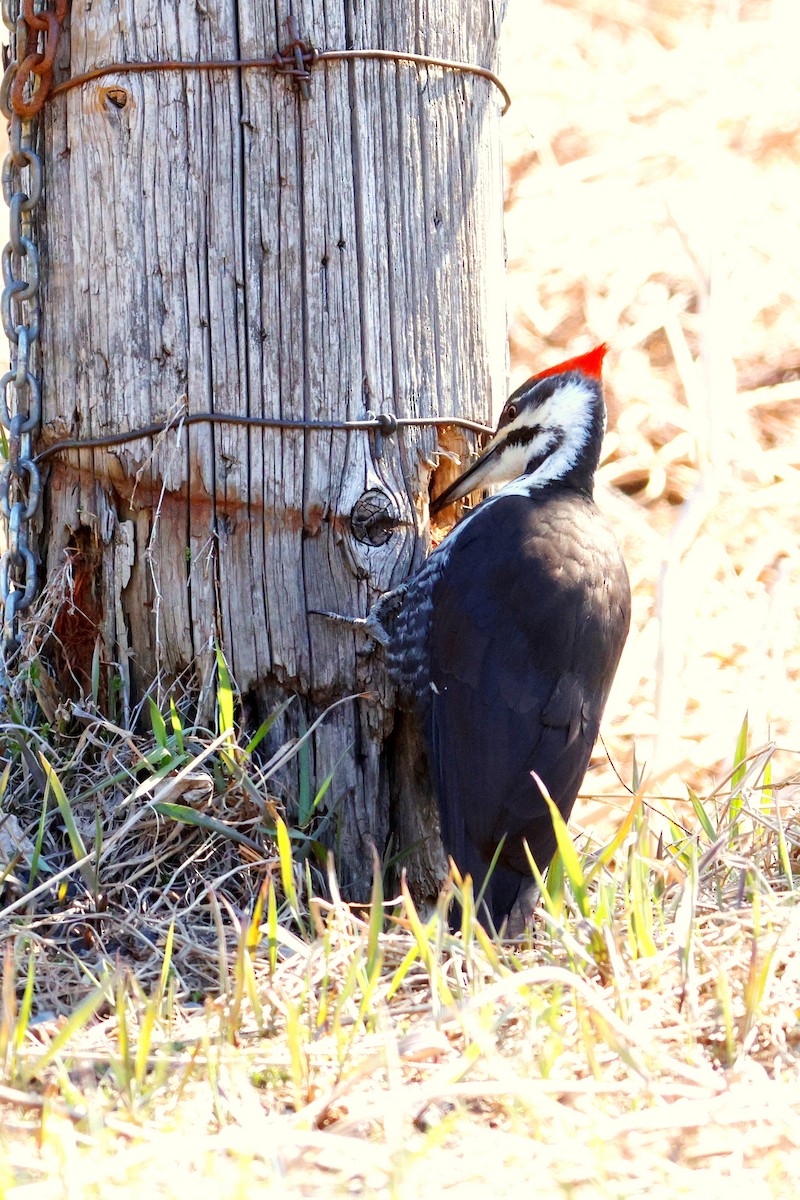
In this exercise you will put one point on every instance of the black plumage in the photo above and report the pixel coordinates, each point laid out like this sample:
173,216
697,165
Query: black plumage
509,638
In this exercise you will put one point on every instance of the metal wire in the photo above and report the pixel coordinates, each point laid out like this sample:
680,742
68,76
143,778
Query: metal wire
381,423
296,61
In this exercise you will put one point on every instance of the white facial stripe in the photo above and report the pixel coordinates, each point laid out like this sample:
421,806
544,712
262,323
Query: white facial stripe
570,411
567,413
515,458
565,416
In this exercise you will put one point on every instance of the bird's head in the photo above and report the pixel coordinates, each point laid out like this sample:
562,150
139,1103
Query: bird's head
550,430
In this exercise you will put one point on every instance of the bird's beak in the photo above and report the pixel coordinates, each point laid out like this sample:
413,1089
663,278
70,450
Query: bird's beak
469,480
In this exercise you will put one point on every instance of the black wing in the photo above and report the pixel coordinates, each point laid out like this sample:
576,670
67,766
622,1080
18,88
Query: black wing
531,607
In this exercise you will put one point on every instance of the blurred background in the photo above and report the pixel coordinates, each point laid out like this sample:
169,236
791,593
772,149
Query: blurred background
652,181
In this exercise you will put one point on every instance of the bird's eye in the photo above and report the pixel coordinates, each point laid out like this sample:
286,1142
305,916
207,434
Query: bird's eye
511,412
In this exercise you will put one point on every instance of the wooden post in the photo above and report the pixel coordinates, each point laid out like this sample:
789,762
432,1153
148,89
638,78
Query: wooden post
216,242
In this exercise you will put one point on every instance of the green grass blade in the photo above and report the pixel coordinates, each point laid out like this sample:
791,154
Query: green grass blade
225,703
544,891
766,786
287,866
328,780
123,1039
74,1023
190,816
266,725
556,885
740,755
374,955
702,816
466,897
421,933
177,726
73,833
158,724
739,772
488,877
400,973
36,857
611,849
272,926
305,804
257,917
641,904
488,947
144,1041
153,1012
26,1005
416,926
569,855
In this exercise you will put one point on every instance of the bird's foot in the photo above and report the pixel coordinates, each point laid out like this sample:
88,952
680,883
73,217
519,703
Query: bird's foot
374,623
521,919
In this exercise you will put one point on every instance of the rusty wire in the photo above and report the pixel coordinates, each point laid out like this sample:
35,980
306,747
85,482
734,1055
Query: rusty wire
384,424
295,61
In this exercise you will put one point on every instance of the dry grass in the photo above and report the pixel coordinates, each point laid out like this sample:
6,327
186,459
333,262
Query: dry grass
654,153
647,1030
183,1014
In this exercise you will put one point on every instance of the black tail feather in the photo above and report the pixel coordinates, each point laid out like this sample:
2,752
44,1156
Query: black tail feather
508,896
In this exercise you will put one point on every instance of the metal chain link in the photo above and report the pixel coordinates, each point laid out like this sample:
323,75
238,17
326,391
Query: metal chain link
28,76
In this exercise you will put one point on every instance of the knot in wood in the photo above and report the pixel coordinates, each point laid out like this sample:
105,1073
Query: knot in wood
373,519
116,96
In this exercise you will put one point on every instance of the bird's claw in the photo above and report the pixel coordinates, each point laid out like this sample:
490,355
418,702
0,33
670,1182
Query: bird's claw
368,625
373,624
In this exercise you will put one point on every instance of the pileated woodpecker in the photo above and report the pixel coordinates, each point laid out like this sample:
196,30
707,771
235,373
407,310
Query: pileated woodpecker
509,636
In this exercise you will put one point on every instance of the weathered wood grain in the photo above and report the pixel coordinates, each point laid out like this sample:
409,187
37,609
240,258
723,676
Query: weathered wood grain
217,243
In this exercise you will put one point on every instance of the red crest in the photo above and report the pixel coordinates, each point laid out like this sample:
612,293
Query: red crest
590,363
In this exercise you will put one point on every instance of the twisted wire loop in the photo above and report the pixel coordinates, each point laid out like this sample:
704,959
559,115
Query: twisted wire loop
28,78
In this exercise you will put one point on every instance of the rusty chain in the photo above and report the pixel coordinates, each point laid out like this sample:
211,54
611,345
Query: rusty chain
26,83
29,77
